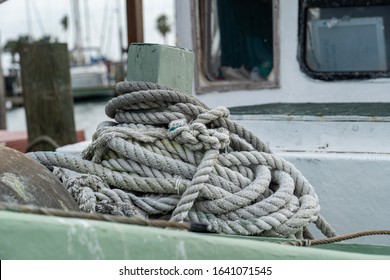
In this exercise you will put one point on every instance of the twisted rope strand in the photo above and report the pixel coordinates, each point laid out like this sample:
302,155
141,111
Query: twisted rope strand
168,155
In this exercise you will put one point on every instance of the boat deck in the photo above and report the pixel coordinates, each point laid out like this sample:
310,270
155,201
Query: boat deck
18,140
316,109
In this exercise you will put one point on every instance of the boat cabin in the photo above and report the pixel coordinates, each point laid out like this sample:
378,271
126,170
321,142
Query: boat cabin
278,51
310,78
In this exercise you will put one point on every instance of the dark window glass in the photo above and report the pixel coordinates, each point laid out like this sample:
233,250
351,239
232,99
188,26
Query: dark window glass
237,39
345,39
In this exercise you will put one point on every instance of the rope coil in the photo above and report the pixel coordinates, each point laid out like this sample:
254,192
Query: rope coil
169,156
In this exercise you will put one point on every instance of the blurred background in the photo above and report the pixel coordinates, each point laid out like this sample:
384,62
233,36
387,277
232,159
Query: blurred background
97,34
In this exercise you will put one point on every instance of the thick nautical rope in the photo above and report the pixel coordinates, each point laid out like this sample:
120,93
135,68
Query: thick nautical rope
169,156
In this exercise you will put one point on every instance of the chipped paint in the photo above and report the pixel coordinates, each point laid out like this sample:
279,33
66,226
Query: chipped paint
181,249
63,205
9,199
90,239
17,185
82,235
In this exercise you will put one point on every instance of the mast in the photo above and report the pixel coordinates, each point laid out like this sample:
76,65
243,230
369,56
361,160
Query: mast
29,21
87,23
120,31
78,48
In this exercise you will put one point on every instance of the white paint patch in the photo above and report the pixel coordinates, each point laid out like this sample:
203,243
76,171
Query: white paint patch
181,249
82,234
89,238
70,232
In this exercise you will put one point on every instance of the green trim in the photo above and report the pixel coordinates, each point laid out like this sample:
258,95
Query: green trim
28,236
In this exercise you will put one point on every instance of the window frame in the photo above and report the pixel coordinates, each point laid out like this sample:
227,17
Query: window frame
304,5
204,85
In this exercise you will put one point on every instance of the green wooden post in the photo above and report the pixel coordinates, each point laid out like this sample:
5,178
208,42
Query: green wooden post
162,64
47,94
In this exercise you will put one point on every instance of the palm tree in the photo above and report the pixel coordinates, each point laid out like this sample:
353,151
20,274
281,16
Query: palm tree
163,26
64,22
14,46
47,39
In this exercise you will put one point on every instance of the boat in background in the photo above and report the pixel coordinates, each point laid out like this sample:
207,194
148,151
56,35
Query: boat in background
91,73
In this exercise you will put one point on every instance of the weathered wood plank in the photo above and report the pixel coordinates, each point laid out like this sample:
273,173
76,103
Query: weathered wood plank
47,93
3,124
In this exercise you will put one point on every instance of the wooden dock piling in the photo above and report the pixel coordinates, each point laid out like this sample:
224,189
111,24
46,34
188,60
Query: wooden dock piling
47,94
3,124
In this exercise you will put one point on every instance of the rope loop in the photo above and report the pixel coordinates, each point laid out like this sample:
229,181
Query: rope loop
166,155
197,136
213,115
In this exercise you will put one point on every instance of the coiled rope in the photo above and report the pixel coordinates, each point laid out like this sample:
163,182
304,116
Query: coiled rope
169,156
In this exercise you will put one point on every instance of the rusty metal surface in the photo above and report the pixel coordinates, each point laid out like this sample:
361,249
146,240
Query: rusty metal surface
24,181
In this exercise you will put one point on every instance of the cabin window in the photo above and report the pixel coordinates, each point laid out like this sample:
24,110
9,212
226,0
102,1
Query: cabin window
236,44
345,39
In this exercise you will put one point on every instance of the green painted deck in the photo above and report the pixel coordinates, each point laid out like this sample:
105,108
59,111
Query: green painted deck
30,236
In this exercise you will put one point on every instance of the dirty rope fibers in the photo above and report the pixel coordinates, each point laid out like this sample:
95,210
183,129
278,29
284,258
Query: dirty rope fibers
168,156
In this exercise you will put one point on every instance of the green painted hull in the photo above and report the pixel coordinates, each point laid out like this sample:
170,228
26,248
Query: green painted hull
30,236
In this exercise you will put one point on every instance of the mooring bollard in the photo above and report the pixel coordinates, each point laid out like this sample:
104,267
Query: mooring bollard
166,65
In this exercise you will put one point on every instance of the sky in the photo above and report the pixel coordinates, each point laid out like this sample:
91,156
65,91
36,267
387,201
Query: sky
41,17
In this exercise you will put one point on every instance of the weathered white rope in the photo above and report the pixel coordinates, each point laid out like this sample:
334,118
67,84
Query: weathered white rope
169,156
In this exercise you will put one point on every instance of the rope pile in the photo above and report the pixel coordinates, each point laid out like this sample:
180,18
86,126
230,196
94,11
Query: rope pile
169,156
